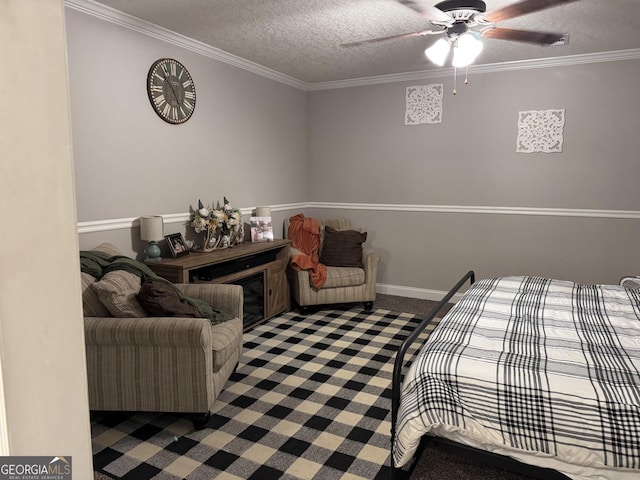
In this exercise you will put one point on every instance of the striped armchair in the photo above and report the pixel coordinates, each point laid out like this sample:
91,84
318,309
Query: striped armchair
343,284
163,364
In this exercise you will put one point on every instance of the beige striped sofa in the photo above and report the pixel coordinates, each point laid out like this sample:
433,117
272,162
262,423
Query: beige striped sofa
162,364
343,284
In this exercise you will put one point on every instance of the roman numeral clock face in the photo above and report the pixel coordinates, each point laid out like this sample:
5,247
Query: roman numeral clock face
171,91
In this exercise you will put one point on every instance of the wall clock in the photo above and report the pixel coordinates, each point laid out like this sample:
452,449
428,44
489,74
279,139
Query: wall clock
171,90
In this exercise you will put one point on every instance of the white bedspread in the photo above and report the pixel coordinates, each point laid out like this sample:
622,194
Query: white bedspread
536,368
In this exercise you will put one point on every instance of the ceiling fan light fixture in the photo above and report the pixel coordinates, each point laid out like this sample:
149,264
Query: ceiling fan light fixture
438,52
465,50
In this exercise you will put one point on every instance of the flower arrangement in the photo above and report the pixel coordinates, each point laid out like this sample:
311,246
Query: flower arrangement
217,223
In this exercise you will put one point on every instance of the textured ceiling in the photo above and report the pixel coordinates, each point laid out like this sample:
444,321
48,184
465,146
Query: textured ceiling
301,38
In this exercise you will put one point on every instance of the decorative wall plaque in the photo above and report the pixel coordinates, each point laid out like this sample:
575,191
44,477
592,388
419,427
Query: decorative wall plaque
540,131
423,104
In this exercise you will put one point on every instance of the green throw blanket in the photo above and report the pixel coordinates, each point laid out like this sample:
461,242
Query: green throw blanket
98,264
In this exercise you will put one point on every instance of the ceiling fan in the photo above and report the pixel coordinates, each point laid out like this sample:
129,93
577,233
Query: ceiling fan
463,21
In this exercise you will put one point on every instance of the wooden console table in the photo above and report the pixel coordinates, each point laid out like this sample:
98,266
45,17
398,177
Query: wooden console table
265,261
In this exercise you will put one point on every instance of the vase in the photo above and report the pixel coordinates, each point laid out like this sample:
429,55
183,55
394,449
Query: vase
211,241
237,235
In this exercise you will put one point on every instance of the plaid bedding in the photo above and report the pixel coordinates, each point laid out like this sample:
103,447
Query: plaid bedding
533,365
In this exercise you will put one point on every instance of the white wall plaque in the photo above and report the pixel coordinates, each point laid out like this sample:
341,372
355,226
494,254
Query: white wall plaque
423,104
540,131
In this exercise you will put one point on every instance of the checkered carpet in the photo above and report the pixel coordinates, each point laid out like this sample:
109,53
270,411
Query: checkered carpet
310,399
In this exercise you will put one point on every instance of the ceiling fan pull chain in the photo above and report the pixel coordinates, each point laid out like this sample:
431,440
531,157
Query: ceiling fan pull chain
455,75
466,76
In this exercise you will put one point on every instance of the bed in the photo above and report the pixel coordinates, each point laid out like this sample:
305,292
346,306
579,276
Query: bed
542,371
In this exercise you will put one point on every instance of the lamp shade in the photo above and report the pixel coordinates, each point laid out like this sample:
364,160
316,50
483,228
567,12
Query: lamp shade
438,52
151,228
263,211
465,50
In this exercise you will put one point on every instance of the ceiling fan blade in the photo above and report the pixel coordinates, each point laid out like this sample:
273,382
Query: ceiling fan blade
526,36
521,8
391,37
426,10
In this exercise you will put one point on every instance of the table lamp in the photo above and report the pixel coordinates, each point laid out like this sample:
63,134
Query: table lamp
263,211
151,230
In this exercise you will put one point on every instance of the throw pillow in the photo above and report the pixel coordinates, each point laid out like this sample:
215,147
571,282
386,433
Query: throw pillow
107,248
117,291
91,304
342,248
162,300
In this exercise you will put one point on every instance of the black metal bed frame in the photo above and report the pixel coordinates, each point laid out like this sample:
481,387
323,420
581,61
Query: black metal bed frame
491,458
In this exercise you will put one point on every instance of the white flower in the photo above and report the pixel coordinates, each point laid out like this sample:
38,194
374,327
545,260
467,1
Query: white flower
215,217
199,224
234,219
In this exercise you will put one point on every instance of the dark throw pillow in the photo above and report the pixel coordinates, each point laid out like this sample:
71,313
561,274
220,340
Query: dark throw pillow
161,300
342,248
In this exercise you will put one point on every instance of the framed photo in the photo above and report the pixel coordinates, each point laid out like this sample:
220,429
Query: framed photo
261,229
177,246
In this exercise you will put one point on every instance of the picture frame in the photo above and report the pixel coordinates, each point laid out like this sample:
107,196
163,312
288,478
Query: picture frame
261,229
177,245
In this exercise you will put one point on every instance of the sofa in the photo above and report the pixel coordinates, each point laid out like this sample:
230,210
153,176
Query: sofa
159,363
344,284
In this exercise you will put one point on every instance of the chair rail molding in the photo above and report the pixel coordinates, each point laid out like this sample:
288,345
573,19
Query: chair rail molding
496,210
124,223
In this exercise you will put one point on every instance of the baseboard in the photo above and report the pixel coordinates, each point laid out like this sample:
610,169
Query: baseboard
413,292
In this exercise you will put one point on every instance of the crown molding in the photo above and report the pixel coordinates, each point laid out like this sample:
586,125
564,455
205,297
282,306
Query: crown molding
122,19
565,61
127,223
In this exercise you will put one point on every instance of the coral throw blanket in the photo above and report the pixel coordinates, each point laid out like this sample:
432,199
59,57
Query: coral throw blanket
305,237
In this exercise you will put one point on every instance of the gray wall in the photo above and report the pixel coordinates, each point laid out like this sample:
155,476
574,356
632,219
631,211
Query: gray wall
470,158
361,152
246,139
347,151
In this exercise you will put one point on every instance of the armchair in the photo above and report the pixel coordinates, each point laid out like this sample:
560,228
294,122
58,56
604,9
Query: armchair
162,364
343,284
